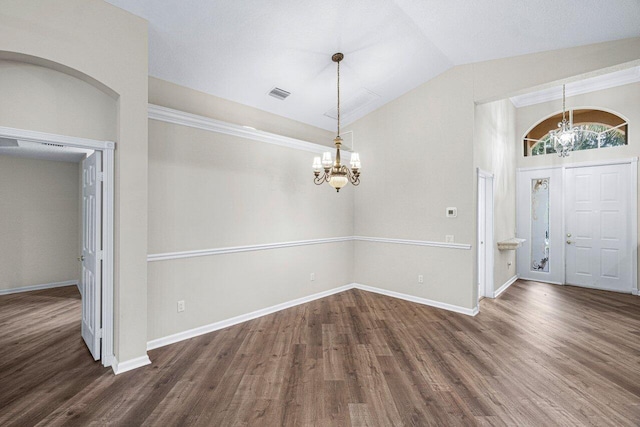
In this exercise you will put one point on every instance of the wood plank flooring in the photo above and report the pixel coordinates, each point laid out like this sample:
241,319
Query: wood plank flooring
539,355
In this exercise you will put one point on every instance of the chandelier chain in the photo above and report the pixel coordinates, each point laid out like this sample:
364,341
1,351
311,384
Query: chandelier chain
563,103
338,98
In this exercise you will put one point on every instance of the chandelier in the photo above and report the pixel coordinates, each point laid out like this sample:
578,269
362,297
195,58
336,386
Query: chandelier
564,138
335,173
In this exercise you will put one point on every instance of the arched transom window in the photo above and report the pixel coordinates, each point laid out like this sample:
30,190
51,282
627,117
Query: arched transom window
598,129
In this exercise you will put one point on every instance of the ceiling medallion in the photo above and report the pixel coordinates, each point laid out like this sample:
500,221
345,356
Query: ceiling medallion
335,173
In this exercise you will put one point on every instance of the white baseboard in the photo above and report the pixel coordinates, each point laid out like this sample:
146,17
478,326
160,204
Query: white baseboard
419,300
504,287
180,336
38,287
191,333
635,292
128,365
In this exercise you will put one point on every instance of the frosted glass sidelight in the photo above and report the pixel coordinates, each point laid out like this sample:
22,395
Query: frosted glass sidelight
540,225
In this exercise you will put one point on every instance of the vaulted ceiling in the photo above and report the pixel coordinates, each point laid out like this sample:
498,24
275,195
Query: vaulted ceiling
241,49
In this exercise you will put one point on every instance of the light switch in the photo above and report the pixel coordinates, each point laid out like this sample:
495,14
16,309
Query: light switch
452,212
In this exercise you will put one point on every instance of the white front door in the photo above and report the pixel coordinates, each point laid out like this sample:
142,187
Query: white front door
91,251
598,226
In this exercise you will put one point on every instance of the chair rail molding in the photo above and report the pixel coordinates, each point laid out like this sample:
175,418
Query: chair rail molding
266,246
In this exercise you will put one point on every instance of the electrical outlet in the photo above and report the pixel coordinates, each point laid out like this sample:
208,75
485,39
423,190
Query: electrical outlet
420,278
180,306
448,238
312,276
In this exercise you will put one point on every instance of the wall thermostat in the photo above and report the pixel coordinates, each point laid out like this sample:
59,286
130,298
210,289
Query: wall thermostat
452,212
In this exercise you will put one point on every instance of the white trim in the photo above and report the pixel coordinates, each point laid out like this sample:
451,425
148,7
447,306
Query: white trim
413,242
582,164
107,147
39,287
247,248
169,115
129,365
161,342
592,84
635,292
504,287
108,256
191,333
250,248
484,173
419,300
633,197
69,141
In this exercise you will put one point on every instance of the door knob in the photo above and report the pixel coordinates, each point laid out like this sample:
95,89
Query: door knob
568,234
569,242
81,258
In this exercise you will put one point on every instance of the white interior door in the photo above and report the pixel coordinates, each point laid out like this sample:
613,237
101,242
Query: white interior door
598,225
482,236
485,241
91,252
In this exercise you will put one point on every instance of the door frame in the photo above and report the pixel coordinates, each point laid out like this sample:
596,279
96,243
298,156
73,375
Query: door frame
108,192
633,199
485,178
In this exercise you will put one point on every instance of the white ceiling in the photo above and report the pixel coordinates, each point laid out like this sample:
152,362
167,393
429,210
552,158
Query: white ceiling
241,49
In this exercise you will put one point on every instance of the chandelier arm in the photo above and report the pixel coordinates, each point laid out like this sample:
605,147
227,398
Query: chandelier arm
321,179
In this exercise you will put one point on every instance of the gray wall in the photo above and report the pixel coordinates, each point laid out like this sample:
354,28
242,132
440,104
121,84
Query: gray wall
495,152
39,220
209,190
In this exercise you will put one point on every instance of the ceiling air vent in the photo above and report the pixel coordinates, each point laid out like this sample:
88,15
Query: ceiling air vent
52,145
281,94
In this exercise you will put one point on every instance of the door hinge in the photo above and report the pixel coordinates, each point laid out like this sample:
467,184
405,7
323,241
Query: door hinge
100,176
99,255
99,333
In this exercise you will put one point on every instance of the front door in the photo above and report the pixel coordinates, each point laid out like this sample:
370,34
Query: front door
92,252
598,227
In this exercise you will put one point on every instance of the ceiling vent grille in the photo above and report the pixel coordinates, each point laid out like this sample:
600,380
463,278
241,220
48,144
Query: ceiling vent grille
52,145
281,94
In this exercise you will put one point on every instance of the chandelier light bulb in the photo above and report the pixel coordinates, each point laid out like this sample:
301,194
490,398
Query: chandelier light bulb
355,161
317,164
326,160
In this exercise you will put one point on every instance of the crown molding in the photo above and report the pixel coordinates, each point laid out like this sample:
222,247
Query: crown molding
169,115
606,81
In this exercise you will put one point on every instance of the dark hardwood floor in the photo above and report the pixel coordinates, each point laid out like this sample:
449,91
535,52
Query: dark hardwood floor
539,355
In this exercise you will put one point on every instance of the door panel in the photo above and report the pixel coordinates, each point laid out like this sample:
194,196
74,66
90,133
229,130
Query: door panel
91,250
598,225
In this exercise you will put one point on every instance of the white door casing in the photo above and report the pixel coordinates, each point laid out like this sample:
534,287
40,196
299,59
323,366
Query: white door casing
108,186
92,252
597,225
